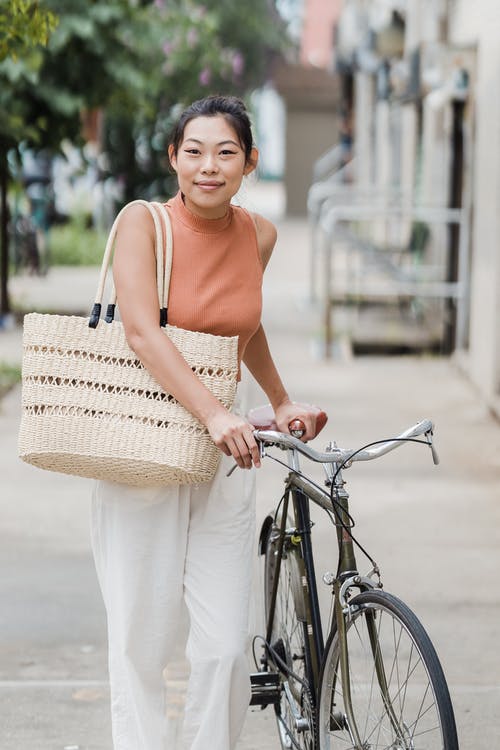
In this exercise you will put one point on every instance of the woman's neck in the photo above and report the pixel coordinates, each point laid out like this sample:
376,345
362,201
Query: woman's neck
215,212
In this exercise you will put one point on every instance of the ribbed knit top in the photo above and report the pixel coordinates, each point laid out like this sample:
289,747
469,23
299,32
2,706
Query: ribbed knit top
216,282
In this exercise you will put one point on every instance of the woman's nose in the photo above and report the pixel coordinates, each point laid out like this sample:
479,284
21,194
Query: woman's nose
209,164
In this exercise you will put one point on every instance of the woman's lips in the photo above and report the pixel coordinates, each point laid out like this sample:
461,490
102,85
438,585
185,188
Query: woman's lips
209,185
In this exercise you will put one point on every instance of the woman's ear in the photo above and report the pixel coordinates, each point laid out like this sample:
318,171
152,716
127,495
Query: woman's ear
252,162
172,157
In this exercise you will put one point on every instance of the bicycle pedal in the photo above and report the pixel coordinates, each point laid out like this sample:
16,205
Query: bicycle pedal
266,688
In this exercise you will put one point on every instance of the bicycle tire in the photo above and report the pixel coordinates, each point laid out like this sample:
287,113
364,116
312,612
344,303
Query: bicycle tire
288,643
422,713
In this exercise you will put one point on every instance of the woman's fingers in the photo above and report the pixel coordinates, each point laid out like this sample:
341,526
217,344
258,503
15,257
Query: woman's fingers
288,414
310,423
244,449
241,453
234,437
255,452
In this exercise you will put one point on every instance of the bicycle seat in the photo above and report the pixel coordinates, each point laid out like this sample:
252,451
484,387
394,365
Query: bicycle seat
262,417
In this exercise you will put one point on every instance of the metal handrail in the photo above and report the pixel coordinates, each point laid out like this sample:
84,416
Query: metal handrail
331,220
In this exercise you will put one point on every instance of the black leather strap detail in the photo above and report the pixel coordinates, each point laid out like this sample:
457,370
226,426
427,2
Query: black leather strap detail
110,313
95,315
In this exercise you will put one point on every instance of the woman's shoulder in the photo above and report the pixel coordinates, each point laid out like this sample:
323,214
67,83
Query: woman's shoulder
136,217
266,236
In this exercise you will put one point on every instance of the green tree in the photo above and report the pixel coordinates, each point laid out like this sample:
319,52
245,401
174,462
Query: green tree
88,58
23,24
138,61
202,46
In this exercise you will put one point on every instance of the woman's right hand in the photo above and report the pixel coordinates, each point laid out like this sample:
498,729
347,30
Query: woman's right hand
233,435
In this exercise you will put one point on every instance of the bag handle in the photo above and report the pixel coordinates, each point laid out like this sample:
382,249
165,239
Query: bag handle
169,257
160,284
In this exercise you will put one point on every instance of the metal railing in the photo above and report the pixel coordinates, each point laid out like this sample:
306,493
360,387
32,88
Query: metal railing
335,207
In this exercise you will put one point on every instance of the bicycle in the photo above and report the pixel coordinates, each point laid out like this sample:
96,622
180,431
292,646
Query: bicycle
377,682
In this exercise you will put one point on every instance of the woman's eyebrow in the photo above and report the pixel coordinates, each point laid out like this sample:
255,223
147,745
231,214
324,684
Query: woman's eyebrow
221,143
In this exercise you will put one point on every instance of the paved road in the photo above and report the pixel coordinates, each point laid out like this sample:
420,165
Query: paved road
434,531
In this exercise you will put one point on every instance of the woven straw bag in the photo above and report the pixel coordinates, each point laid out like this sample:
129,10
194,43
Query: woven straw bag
91,409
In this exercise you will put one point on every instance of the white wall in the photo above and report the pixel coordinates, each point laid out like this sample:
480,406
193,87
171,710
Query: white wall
270,128
479,22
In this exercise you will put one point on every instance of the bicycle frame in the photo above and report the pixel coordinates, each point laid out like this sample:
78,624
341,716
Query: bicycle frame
302,491
301,536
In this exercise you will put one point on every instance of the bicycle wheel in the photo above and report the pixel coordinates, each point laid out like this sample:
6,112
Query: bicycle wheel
386,644
295,713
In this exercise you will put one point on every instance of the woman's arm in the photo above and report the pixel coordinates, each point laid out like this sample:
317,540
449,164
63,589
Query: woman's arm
259,361
257,355
134,271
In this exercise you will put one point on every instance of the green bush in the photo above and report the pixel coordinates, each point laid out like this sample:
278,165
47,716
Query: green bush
9,376
74,244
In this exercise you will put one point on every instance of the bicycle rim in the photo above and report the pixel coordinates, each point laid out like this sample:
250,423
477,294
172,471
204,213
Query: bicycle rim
288,642
413,711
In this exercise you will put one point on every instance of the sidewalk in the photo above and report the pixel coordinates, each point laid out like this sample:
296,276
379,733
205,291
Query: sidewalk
434,531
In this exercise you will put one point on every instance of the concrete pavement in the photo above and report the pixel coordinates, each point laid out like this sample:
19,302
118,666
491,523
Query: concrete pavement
435,532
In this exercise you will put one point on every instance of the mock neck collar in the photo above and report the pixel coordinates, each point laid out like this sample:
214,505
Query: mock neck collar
199,223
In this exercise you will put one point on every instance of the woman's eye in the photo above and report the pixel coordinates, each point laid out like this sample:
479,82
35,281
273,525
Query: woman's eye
191,151
227,152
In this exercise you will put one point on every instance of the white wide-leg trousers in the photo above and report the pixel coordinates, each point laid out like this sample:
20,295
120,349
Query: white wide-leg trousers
155,548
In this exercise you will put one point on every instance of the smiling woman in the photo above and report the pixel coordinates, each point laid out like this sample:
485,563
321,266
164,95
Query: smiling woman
155,547
210,161
209,165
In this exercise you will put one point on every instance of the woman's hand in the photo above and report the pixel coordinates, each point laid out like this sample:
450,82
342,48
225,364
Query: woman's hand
287,411
233,435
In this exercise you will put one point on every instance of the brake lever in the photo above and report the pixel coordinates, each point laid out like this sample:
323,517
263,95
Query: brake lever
235,466
262,453
435,458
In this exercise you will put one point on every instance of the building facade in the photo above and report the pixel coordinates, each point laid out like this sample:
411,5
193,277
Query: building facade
420,91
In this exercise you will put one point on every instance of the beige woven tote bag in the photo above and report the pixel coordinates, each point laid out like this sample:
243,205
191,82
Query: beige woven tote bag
91,409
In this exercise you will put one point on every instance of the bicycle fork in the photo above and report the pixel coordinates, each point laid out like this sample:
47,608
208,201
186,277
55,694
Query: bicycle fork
342,614
347,577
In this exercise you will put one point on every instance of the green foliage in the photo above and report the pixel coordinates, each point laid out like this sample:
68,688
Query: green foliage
138,61
195,47
74,244
86,62
23,25
9,376
217,45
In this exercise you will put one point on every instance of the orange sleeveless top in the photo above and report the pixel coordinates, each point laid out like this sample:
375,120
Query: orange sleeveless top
216,282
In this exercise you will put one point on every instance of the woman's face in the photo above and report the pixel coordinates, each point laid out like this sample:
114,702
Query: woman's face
210,165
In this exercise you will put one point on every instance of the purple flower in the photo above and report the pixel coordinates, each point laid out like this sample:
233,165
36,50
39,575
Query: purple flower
192,37
160,4
205,76
167,48
238,64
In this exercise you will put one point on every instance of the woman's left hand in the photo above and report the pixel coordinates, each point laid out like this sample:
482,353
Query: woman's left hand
288,411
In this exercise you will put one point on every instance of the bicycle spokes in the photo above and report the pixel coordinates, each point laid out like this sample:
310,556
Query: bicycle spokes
393,695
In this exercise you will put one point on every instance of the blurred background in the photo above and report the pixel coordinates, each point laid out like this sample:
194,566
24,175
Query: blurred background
376,119
378,125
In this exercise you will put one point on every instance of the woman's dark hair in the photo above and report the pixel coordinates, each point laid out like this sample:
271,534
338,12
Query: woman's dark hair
230,107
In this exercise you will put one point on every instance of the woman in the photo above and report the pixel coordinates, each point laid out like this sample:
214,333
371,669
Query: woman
155,547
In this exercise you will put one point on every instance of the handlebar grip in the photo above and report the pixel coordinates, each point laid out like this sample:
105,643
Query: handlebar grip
297,428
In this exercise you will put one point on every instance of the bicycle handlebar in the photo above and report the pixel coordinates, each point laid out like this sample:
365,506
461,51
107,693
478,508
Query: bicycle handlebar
343,455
